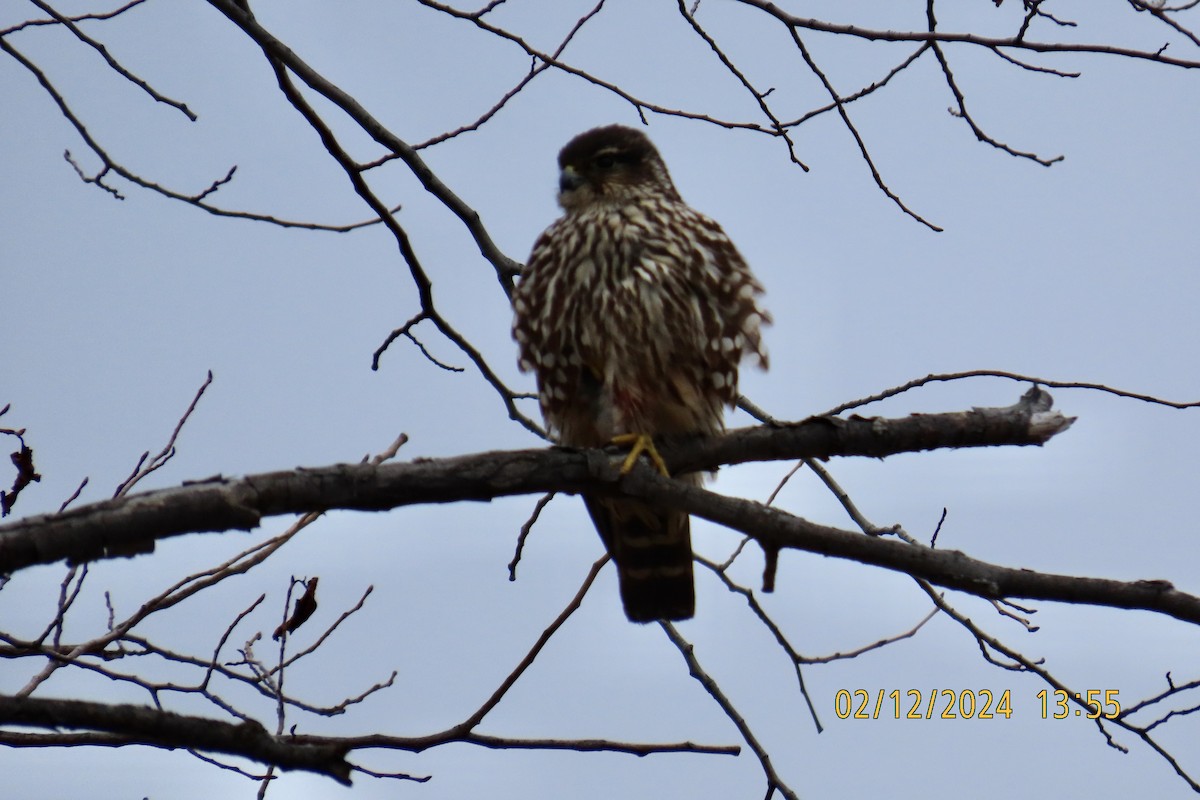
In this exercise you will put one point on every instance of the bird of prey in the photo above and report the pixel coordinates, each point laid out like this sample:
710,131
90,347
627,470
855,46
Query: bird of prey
634,312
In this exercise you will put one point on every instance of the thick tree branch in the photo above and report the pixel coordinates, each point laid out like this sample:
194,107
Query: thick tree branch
775,530
103,529
219,504
119,725
130,724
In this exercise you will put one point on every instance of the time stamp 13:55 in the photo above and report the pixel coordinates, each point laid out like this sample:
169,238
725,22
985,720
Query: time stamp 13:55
970,704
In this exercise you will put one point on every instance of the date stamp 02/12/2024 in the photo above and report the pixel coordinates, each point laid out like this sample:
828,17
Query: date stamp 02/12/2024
969,704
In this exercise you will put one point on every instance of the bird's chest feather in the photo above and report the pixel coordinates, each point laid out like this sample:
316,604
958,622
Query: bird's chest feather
625,322
621,287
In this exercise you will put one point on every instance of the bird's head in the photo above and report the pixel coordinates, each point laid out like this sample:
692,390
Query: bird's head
610,166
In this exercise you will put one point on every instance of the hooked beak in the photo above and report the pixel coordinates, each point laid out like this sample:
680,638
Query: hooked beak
569,179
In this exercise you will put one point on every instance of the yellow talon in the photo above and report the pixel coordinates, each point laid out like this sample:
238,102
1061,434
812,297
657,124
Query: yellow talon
640,443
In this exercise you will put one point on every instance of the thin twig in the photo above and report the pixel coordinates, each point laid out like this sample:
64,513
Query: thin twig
542,502
472,722
686,649
946,377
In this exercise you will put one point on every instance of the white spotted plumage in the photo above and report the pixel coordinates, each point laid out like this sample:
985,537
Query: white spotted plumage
634,312
646,295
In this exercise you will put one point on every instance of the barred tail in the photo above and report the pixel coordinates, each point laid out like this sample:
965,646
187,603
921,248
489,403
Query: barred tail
652,549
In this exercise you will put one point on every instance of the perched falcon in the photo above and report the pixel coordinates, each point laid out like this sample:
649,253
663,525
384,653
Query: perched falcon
634,312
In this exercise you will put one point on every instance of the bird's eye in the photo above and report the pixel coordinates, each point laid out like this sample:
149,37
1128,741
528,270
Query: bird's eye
606,161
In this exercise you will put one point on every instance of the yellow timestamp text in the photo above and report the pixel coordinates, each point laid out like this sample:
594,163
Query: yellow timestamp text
970,704
1095,703
919,704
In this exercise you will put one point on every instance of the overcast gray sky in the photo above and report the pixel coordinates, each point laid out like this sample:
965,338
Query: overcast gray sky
111,312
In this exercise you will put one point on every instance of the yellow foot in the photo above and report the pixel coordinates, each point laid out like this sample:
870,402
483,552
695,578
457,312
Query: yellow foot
639,443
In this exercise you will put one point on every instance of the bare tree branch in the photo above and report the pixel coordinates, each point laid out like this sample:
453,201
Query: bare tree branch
960,99
946,37
774,782
32,23
505,267
225,504
220,504
155,728
113,64
946,377
111,165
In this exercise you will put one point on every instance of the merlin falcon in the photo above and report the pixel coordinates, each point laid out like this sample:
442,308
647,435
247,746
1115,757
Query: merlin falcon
633,313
